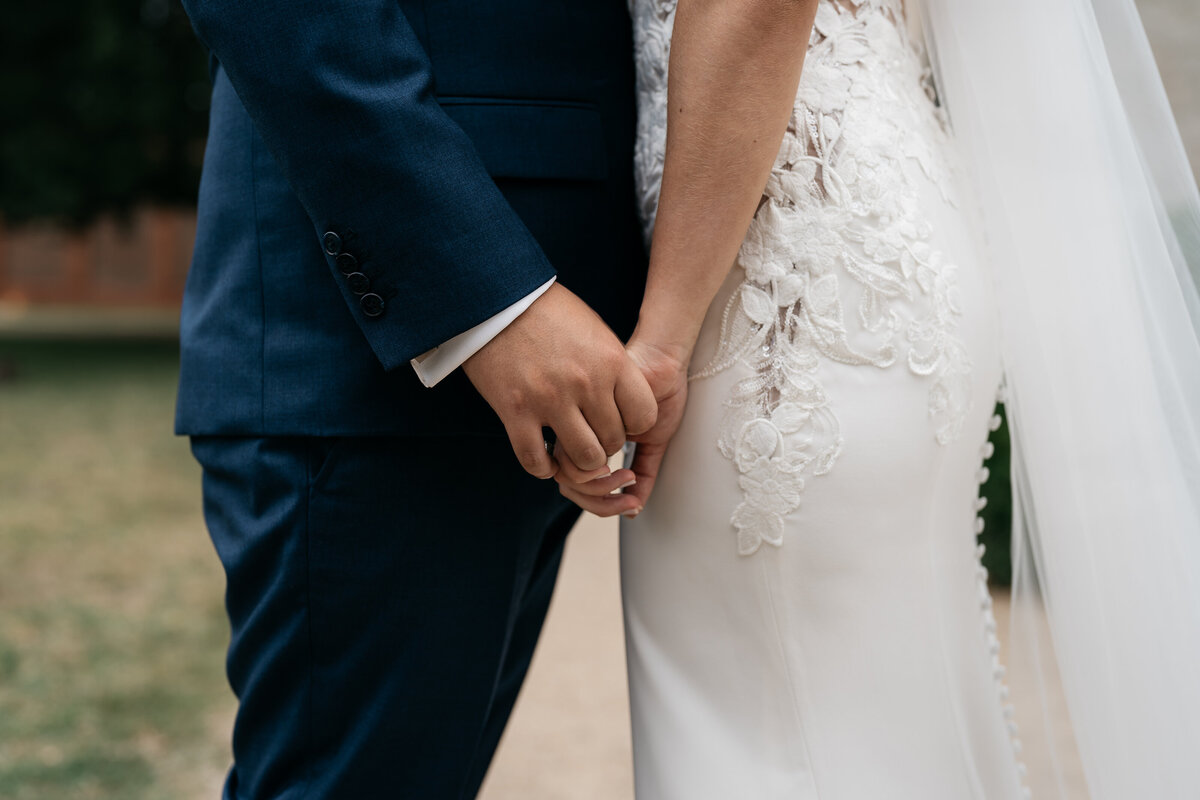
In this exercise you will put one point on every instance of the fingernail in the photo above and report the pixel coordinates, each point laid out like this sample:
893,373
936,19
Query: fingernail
603,472
626,485
631,513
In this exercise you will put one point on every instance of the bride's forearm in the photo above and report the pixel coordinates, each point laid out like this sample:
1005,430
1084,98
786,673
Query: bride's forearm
735,66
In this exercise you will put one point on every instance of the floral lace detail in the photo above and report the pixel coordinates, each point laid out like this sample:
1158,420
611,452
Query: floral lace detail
840,223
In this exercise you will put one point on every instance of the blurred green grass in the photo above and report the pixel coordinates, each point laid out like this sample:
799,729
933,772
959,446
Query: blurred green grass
111,621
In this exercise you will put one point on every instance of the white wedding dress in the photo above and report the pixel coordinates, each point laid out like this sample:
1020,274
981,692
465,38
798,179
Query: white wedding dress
806,614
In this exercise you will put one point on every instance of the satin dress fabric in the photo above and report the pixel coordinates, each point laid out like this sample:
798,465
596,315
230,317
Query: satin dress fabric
806,614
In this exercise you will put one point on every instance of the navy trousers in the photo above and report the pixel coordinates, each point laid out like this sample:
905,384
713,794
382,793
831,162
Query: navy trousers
385,596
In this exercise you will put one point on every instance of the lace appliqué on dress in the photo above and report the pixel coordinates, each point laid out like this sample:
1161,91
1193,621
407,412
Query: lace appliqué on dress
840,225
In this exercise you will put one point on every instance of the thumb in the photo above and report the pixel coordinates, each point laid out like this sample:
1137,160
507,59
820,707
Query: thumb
647,459
635,400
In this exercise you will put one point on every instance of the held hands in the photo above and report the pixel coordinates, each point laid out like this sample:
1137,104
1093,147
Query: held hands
666,372
559,366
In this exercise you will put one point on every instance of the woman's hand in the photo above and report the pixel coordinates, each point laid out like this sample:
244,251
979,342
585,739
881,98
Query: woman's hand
626,491
735,66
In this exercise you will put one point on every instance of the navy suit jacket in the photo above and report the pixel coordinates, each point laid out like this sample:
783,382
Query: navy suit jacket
461,152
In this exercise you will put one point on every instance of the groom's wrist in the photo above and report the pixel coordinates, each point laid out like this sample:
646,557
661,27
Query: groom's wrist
436,364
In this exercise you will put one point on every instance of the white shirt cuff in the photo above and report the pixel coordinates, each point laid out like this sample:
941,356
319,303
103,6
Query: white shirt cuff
434,365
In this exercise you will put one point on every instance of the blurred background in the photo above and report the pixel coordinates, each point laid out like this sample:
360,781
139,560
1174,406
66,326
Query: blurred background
112,630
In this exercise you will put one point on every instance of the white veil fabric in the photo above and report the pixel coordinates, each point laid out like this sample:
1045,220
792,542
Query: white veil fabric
1091,219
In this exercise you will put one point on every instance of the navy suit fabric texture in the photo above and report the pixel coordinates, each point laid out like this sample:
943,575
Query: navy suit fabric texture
463,152
380,627
381,175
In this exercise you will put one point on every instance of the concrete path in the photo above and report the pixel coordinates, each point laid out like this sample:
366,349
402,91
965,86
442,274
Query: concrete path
569,735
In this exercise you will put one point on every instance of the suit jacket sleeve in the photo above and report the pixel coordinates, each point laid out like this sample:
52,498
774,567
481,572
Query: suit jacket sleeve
341,92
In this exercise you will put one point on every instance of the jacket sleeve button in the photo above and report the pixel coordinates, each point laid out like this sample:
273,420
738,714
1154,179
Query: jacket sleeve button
372,305
358,282
346,263
332,242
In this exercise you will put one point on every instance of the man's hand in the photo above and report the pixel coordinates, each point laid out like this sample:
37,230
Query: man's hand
559,366
666,373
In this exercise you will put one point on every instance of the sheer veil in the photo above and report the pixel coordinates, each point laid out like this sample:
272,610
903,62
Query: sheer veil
1091,218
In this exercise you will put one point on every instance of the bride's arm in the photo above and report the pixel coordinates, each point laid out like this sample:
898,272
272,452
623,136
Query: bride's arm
735,66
